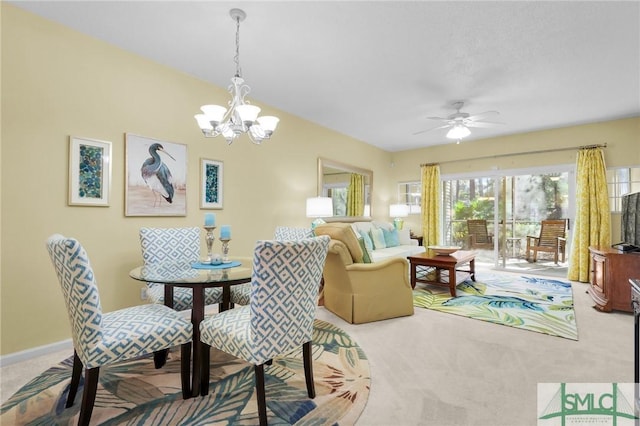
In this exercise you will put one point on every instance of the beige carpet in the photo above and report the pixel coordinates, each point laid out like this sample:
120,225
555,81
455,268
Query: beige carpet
438,369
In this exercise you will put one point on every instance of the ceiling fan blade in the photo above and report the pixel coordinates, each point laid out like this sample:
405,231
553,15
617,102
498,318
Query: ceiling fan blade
433,128
438,118
485,124
481,115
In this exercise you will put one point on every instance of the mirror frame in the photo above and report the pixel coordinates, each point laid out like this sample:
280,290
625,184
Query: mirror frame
325,162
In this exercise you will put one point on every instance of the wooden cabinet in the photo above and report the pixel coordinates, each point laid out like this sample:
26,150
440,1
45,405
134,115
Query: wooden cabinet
609,278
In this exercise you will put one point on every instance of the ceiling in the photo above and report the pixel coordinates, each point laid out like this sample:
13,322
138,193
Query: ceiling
375,70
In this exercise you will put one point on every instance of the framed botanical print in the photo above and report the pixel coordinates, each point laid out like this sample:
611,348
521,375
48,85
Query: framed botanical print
211,180
89,172
156,177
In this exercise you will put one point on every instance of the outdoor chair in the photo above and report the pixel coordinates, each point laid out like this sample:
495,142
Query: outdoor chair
280,316
551,240
101,339
478,235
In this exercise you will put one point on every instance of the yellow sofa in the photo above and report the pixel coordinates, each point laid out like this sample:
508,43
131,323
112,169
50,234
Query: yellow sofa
362,292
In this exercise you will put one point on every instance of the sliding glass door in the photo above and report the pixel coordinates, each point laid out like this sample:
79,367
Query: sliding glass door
494,215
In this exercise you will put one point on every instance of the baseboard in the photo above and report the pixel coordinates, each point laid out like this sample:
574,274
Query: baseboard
28,354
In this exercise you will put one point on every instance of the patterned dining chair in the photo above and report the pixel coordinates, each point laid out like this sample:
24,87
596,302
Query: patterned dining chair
288,233
101,339
174,244
279,318
241,294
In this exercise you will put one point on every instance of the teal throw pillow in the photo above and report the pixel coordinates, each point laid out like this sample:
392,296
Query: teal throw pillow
378,238
366,238
391,237
366,257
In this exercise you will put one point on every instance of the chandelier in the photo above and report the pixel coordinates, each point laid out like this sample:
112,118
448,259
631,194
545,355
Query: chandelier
240,117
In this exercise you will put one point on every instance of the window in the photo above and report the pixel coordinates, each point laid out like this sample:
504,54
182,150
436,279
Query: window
410,193
621,181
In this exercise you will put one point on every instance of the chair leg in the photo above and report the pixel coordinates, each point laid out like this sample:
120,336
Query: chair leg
204,370
260,394
76,372
185,370
308,369
89,395
160,358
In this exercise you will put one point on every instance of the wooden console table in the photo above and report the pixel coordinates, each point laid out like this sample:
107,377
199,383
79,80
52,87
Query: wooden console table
609,277
451,264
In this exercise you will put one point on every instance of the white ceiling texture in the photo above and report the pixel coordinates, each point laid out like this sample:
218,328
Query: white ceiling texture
375,70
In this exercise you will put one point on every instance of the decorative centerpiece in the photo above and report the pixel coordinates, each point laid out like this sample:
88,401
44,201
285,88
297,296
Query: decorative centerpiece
209,227
225,237
444,250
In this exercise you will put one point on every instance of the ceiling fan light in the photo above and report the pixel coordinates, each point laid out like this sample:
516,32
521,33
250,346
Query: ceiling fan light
458,132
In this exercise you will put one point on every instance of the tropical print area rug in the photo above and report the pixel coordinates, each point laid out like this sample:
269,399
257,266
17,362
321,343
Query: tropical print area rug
135,393
531,303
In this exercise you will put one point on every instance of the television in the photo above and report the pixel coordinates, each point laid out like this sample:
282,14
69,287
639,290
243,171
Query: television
630,226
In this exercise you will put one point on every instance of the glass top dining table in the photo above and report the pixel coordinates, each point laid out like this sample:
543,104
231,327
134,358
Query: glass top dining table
197,277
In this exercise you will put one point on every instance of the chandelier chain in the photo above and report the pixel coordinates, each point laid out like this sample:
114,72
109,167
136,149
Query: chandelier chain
236,58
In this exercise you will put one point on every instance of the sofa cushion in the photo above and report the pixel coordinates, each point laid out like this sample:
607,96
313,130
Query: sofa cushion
366,256
366,237
398,251
342,232
391,237
404,237
377,236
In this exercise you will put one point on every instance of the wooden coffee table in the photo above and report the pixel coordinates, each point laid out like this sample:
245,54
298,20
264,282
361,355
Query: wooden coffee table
451,264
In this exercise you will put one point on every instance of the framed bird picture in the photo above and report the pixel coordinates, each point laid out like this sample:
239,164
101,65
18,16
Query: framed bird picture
211,178
156,177
89,172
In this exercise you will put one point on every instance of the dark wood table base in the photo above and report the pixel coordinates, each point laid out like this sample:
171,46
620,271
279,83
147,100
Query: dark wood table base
451,264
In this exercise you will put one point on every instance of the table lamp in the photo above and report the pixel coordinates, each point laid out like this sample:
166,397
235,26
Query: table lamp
319,207
398,211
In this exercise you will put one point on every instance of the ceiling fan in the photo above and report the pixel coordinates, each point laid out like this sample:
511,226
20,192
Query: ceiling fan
459,122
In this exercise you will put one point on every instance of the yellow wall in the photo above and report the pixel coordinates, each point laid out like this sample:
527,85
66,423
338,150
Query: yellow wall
57,83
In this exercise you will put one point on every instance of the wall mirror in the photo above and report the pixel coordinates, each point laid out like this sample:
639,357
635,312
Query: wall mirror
335,179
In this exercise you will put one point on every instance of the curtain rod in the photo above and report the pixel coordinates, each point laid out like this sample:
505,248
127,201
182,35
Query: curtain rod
542,151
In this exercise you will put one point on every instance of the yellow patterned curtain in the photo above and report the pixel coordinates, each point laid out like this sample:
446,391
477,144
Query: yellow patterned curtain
592,224
355,195
430,204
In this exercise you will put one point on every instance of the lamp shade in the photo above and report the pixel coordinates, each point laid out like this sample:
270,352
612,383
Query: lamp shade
268,123
214,113
398,210
319,207
248,113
